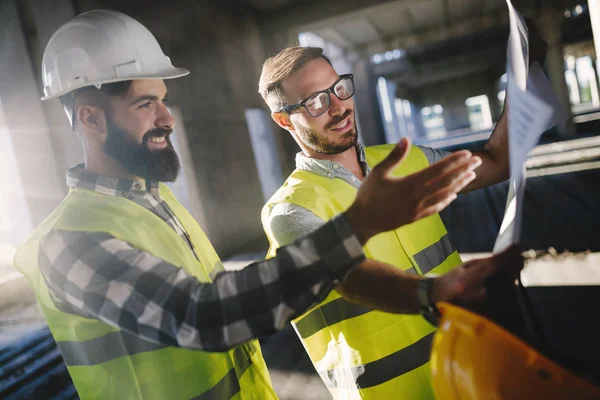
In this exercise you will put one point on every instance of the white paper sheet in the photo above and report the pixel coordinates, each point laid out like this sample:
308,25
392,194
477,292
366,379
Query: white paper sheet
533,108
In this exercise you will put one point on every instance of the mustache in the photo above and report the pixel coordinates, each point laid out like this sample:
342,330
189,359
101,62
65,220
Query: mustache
156,132
338,119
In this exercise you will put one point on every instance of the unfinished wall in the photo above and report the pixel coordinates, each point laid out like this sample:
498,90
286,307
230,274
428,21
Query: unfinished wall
33,185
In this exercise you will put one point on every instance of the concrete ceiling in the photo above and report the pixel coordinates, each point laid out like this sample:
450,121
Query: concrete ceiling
374,26
268,5
407,24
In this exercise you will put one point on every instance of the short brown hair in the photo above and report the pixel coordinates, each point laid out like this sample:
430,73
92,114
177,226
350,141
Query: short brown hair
279,67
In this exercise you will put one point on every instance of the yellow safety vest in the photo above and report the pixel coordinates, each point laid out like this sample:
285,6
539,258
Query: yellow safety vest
108,363
358,352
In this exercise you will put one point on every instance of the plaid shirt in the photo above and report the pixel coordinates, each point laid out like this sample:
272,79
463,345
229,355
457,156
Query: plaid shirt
95,275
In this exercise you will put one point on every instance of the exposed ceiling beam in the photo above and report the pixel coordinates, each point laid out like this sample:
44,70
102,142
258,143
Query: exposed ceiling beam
412,76
302,16
436,34
336,37
380,32
410,17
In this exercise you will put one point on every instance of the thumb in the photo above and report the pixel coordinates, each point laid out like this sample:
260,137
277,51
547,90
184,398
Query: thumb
396,156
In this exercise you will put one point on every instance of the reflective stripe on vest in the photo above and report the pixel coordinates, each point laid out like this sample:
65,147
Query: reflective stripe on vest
432,256
106,363
390,366
121,344
359,352
227,387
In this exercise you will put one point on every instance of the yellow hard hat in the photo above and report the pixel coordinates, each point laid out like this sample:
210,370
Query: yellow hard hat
473,358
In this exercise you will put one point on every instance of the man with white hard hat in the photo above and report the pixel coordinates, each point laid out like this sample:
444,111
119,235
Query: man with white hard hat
132,290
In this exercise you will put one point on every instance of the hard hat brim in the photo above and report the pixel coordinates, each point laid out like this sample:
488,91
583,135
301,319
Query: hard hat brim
170,74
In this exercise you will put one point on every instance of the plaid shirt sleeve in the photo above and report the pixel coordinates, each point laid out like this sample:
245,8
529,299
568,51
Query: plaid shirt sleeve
95,275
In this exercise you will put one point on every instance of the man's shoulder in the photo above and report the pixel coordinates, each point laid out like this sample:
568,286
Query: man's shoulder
303,195
433,155
300,182
287,222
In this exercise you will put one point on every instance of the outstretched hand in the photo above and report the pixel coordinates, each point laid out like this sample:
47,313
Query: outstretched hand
384,202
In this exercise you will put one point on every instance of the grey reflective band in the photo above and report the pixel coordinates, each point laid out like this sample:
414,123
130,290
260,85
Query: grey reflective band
386,368
332,313
226,388
328,314
104,348
122,344
432,256
241,359
229,385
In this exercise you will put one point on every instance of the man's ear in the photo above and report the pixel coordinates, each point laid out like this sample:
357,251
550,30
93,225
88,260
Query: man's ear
283,120
91,118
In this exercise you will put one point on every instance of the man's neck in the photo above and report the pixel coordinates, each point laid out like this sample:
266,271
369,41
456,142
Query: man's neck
105,165
348,159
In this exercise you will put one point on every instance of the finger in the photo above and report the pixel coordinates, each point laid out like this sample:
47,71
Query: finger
435,208
396,156
445,165
455,180
431,199
437,198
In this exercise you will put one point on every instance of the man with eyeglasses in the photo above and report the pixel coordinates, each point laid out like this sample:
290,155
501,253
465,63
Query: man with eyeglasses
358,352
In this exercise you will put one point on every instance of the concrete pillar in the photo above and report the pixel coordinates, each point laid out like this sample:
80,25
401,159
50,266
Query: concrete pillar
47,17
549,24
261,126
366,103
456,115
572,75
594,10
417,121
386,90
595,84
31,184
404,117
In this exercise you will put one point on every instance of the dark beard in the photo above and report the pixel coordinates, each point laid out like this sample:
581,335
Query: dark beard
321,144
159,165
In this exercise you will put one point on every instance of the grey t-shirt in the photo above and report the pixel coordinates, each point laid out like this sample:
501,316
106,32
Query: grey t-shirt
289,222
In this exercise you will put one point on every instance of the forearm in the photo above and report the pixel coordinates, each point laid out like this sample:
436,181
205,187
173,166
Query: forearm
494,157
382,287
139,293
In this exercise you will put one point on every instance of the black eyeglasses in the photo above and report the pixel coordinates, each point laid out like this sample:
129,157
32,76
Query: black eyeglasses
317,103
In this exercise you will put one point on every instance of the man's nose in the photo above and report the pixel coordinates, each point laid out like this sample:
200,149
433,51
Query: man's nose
164,119
337,106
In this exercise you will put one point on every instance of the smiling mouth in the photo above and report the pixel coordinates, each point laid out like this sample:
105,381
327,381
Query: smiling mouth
341,125
158,140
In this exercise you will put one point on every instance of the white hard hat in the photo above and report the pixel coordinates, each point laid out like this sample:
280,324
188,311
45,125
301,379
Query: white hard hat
99,47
